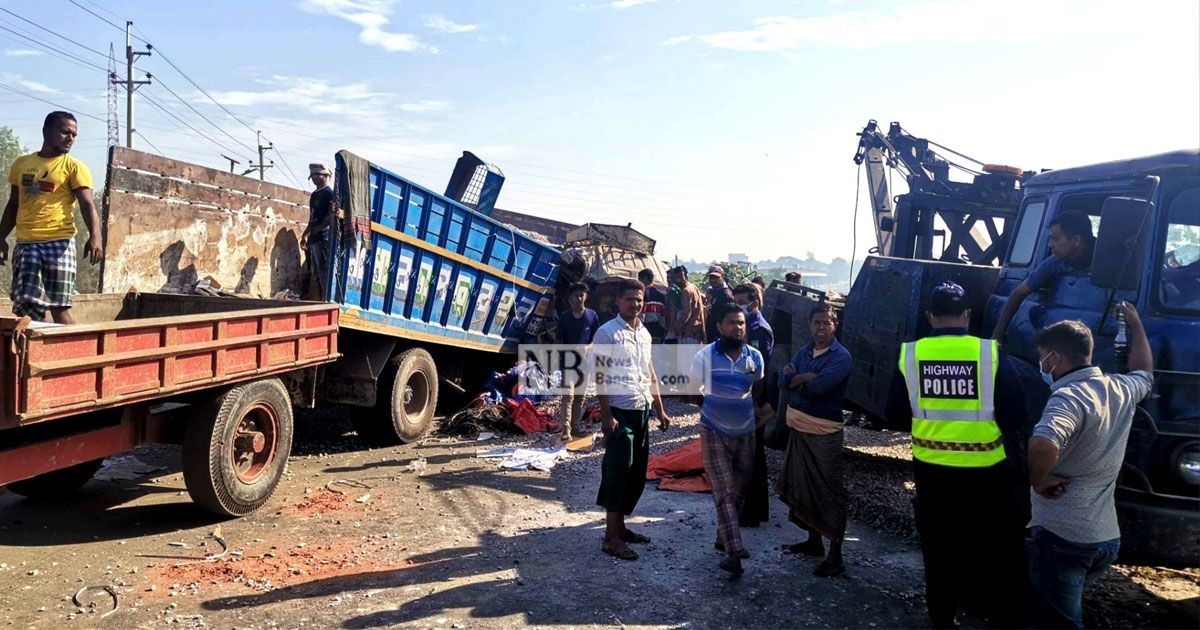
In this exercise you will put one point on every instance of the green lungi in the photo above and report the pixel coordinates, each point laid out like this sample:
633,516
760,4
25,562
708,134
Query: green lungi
626,451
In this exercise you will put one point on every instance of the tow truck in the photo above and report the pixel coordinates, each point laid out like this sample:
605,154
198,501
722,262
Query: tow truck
987,234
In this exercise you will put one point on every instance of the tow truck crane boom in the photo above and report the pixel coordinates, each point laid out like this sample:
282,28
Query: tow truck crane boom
968,211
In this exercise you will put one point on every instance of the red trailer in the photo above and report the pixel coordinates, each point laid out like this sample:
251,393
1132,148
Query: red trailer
218,375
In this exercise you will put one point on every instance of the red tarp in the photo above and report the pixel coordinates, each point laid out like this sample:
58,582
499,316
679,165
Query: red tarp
680,470
530,419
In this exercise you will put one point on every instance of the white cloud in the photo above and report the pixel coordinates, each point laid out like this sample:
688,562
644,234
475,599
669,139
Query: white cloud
442,24
627,4
22,52
935,21
372,16
29,84
320,97
424,105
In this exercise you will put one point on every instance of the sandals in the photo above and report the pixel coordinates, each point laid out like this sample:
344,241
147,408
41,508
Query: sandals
828,569
625,553
632,537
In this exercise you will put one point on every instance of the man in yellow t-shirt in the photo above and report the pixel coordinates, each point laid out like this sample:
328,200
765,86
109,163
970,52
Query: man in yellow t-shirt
41,206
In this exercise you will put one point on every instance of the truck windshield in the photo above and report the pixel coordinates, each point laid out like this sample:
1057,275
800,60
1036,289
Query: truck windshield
1179,276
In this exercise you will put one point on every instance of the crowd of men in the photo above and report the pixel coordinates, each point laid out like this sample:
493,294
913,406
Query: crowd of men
986,538
1017,540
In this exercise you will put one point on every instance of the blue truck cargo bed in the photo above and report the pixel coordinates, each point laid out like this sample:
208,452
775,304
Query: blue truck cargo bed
424,267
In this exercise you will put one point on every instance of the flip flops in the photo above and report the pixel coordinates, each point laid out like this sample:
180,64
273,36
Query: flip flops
624,553
632,537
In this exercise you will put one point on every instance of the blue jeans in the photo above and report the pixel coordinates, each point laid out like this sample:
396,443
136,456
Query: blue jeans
1059,570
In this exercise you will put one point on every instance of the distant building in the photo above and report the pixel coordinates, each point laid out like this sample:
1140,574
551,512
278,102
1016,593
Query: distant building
739,258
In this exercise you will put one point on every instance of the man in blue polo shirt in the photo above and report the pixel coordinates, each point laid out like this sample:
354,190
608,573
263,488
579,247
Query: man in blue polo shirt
729,367
1071,246
756,509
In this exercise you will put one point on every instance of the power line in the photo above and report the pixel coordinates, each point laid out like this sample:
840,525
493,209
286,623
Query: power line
101,18
143,137
592,186
201,115
183,122
48,102
62,37
189,79
49,48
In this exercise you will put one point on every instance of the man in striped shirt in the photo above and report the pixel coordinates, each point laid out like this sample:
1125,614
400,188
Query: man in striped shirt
728,367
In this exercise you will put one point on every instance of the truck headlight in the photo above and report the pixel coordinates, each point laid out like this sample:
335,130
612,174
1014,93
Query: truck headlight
1187,463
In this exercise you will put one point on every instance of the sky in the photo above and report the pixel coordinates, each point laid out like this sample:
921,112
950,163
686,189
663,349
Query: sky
712,126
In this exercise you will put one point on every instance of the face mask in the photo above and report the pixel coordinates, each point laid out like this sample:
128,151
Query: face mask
745,309
1046,375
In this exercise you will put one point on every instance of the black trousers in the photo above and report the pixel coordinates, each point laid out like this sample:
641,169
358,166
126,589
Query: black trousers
972,527
756,508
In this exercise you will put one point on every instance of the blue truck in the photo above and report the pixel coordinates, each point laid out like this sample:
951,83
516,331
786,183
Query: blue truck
1146,213
431,290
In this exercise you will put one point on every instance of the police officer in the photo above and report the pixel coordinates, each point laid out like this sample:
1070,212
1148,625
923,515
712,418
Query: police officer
960,397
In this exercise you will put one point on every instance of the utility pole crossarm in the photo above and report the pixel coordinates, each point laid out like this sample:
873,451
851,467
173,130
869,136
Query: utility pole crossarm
131,57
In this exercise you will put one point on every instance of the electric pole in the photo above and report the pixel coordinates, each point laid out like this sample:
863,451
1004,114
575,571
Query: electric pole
131,57
232,162
261,167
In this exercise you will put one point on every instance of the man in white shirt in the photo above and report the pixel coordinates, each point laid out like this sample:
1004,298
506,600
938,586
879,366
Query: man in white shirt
627,388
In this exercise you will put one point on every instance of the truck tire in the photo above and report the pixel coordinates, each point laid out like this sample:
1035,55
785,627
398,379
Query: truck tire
56,482
235,448
404,408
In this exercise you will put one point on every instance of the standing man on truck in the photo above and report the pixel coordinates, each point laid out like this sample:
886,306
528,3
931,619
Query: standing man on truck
1075,455
961,399
1071,244
315,239
41,206
627,387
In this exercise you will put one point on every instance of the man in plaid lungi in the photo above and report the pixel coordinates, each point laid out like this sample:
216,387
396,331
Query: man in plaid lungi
728,367
45,187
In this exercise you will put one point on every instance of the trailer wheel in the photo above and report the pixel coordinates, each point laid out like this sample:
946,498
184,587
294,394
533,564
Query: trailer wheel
236,447
56,482
405,408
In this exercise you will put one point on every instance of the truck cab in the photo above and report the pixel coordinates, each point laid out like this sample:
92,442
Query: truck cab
1158,493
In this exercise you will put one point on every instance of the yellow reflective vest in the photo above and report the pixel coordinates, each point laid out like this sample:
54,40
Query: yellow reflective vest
951,384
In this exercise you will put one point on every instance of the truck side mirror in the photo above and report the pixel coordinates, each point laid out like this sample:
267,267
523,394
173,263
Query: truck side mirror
1119,255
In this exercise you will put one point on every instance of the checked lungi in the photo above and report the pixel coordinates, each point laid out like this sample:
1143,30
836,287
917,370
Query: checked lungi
43,277
729,463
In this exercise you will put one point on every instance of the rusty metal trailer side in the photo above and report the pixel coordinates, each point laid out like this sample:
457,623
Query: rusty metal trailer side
71,395
55,372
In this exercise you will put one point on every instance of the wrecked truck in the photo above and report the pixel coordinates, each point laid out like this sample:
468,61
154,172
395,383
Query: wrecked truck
424,289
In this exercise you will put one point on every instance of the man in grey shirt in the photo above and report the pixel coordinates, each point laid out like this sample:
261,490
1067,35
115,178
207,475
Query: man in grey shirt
1075,455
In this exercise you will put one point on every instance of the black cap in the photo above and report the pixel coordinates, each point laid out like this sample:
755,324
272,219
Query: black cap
948,299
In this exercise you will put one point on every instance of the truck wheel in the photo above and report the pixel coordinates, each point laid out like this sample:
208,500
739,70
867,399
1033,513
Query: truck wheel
236,447
56,482
408,396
